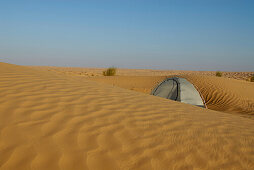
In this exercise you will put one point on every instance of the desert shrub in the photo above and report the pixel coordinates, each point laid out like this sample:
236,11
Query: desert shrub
109,72
252,78
218,73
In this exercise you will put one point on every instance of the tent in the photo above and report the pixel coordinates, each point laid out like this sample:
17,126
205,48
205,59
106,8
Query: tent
179,89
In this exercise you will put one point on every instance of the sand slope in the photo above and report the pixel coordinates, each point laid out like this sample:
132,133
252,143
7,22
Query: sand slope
48,121
143,84
221,94
227,95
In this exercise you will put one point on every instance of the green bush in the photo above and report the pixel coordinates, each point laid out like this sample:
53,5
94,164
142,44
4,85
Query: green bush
218,73
110,72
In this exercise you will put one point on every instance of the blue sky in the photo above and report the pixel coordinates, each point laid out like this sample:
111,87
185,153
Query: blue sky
151,34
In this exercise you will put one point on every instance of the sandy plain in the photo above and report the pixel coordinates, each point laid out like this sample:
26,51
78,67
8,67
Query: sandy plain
69,118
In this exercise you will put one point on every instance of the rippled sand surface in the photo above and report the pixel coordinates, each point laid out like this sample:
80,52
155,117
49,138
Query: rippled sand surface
52,121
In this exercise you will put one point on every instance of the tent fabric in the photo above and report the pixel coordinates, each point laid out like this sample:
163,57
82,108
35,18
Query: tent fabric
179,89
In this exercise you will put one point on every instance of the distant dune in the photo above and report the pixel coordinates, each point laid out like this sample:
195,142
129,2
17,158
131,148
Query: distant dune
91,72
50,119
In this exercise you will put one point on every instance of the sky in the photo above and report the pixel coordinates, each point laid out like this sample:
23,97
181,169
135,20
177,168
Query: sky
146,34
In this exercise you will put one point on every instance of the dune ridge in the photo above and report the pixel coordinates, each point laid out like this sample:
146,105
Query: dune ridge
51,121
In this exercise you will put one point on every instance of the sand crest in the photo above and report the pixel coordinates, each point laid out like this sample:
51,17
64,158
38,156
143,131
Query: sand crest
52,121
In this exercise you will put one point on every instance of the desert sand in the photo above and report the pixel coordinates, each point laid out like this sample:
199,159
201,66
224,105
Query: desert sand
54,120
220,94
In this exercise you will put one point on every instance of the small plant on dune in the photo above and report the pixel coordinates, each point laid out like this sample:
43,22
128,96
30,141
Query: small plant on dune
252,78
218,73
110,72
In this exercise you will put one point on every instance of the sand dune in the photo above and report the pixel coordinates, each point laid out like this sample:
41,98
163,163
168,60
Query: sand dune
221,94
227,95
52,121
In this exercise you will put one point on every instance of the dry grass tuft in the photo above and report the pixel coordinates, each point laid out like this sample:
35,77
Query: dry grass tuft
110,72
252,78
218,74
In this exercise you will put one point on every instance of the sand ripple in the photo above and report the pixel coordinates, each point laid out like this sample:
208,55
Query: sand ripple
227,95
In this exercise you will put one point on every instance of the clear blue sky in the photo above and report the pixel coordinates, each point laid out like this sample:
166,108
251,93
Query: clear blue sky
154,34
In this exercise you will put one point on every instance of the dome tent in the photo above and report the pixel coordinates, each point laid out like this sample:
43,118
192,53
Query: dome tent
179,89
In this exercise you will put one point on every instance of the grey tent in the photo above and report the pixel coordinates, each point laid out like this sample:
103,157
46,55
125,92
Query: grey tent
179,89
